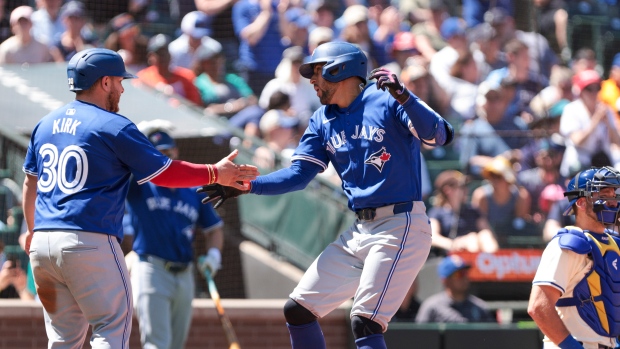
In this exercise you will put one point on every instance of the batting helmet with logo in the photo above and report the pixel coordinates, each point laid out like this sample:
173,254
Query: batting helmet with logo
86,66
588,184
342,60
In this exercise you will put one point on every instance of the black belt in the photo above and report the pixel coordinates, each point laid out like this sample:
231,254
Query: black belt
173,267
368,214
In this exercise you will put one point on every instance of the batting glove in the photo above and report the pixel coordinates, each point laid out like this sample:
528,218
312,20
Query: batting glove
212,261
388,80
220,193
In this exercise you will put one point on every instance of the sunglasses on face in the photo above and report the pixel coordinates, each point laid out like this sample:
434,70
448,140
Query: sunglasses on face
592,88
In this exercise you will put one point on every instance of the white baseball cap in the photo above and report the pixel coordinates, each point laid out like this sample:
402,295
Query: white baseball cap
196,24
20,12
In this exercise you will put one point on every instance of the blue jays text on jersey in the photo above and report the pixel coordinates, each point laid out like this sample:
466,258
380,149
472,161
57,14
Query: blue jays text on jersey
163,220
83,157
367,142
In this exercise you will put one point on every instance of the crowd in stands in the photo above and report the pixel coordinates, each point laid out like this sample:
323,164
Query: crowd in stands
530,110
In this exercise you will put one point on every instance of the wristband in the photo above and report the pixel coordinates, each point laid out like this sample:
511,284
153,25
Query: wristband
570,343
214,173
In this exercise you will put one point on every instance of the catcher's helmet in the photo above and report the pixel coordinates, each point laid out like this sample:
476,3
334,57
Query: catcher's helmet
86,66
587,184
342,60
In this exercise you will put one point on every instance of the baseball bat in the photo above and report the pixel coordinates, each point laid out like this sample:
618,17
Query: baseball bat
229,331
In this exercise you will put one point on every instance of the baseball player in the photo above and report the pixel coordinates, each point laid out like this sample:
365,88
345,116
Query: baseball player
77,166
373,140
575,300
163,221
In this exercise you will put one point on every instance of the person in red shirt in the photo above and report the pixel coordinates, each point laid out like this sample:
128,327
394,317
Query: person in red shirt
158,75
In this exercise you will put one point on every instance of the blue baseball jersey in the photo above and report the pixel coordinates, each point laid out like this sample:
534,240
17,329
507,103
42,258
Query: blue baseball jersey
83,157
371,144
163,220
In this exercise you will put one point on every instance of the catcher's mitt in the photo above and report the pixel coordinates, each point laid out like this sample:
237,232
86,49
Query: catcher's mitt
220,193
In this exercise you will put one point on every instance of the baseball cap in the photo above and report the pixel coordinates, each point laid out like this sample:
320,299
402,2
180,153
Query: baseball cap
496,16
73,9
452,26
122,22
20,12
298,17
616,61
355,14
499,166
208,49
161,140
196,24
404,41
274,118
158,42
450,265
320,35
584,78
449,176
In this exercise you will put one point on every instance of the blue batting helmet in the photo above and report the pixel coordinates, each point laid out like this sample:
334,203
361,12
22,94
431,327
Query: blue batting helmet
342,60
86,66
587,184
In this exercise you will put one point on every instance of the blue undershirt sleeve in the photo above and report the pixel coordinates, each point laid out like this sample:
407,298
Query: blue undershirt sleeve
424,119
295,177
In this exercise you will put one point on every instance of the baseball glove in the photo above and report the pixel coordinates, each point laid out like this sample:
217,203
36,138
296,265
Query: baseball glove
220,193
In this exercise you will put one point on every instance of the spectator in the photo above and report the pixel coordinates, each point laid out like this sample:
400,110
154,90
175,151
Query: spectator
556,219
356,31
486,48
72,40
155,16
417,80
428,34
318,36
221,92
546,134
5,26
257,24
390,23
46,21
453,32
288,80
588,127
474,10
585,59
505,204
454,304
610,88
223,29
455,224
195,28
489,134
163,278
161,77
296,24
542,58
279,132
323,14
126,39
560,88
526,83
22,47
464,73
13,280
552,20
402,51
410,305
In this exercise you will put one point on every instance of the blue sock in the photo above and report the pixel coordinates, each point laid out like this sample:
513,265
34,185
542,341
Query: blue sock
374,341
308,336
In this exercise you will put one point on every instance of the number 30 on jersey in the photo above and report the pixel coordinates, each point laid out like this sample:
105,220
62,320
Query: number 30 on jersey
57,169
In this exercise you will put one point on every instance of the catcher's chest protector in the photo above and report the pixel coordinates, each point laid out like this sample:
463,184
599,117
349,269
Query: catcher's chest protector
597,295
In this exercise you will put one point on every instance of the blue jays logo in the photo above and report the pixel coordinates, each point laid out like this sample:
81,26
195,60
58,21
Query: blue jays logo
378,159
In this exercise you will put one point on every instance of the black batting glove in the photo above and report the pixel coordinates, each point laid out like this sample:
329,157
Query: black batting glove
220,193
388,80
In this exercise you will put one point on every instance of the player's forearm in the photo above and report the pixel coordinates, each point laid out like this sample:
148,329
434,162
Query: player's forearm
181,174
29,198
254,32
286,180
423,118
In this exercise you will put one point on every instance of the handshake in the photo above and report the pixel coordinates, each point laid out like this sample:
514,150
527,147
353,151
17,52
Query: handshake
220,193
